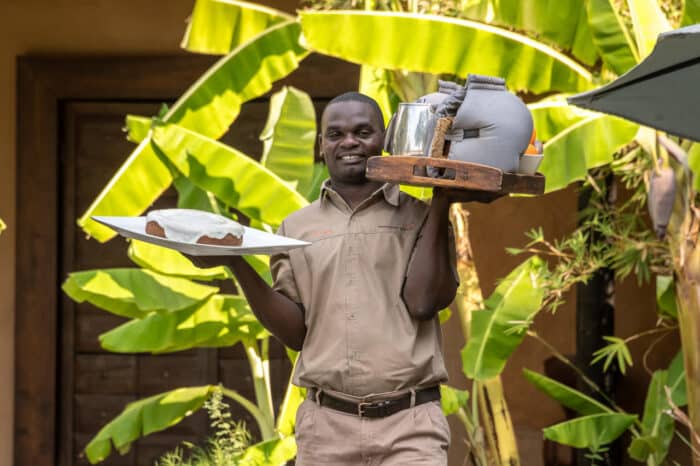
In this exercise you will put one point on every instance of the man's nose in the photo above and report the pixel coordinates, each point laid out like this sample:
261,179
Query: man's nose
349,140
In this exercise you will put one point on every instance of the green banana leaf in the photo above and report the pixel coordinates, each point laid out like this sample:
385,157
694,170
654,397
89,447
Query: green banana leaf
564,24
140,180
231,176
666,295
287,414
648,21
611,37
143,417
436,44
451,399
319,176
289,137
209,106
587,144
219,26
691,12
657,426
676,381
553,115
269,453
515,301
170,262
590,431
223,320
566,395
190,196
376,83
134,293
213,102
694,163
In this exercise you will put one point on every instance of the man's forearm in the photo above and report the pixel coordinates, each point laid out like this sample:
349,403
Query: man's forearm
277,313
430,285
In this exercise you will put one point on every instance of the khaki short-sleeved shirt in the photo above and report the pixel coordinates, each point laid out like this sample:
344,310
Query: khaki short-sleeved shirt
360,338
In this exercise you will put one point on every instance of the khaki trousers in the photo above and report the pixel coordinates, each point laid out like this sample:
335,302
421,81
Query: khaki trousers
416,436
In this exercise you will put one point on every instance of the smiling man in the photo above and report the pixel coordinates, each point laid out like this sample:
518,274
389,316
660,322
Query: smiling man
361,305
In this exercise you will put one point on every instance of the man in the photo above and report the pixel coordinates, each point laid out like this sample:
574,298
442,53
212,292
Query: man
361,305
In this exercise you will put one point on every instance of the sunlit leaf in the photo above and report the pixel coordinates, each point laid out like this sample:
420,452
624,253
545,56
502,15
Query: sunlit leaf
444,315
562,23
134,292
223,320
553,115
451,399
694,163
611,37
565,395
146,416
209,107
516,299
587,144
2,225
140,180
167,261
319,176
213,102
271,452
410,41
287,414
232,176
289,137
648,21
219,26
590,431
376,83
691,12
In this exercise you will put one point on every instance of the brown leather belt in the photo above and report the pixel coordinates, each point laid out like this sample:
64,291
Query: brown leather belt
374,409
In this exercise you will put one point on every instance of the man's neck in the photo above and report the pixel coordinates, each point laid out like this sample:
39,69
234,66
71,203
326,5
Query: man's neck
355,193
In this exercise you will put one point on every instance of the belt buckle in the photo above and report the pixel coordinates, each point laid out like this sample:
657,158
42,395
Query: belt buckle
380,406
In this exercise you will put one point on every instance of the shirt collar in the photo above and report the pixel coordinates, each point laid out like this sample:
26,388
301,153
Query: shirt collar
390,192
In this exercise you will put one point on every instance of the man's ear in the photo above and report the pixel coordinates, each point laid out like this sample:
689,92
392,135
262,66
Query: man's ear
320,148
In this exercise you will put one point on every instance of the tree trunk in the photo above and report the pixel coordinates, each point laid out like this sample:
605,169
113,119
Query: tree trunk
496,420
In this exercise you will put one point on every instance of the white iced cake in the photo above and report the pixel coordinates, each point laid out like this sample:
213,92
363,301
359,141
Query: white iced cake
194,226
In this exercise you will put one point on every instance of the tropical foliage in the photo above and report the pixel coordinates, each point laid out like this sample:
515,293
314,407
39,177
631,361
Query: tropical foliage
538,49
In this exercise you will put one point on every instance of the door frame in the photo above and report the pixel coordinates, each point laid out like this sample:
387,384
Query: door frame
43,82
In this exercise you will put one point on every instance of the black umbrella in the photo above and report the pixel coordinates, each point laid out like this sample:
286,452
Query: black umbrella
663,91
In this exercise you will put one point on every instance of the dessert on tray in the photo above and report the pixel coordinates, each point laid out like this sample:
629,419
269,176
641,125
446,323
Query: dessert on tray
194,226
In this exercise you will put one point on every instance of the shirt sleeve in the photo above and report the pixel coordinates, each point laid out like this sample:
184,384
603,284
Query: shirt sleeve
283,274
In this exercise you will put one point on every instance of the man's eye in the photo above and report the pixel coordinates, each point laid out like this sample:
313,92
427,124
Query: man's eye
365,132
332,134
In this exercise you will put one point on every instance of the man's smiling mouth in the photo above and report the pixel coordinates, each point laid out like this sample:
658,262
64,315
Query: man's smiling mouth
352,157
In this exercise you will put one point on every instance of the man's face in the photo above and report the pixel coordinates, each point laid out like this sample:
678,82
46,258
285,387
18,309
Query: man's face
350,133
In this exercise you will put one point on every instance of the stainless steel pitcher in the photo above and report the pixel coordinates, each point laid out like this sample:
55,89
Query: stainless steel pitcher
412,129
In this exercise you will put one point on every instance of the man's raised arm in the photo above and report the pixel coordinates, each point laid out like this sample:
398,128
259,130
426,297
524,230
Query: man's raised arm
276,312
431,284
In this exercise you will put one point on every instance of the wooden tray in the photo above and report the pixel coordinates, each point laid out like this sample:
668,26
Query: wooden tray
406,169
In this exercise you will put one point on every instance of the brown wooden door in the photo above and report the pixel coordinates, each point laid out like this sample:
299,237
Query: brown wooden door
67,387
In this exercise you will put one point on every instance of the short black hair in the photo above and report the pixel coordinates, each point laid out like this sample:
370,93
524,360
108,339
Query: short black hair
358,97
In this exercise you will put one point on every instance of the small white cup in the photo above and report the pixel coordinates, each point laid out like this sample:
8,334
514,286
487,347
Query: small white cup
529,163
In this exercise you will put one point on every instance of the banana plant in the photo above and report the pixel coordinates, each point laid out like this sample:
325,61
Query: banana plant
169,310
